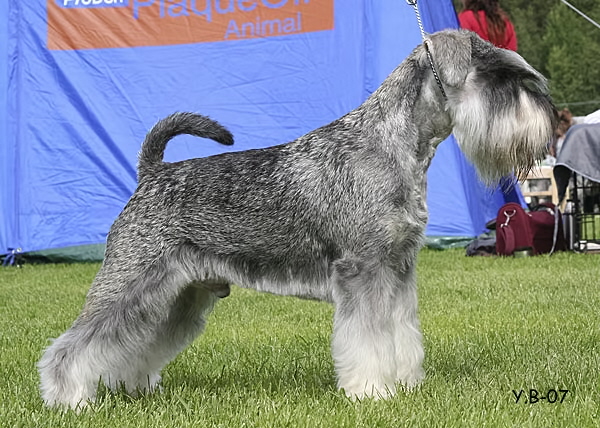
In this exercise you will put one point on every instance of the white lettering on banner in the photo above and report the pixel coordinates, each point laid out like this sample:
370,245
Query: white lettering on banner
125,23
221,7
271,27
93,3
181,8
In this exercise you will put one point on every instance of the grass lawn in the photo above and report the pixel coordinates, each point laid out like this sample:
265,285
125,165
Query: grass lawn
491,326
590,227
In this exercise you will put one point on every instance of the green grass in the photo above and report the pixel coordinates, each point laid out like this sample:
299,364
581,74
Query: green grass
590,227
491,326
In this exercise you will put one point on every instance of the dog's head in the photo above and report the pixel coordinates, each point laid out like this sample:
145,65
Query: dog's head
500,107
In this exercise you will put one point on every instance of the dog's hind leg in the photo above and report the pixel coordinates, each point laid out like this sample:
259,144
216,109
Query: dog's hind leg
130,327
363,338
186,320
406,331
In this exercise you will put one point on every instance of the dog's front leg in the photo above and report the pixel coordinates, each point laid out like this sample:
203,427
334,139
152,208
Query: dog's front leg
406,331
363,336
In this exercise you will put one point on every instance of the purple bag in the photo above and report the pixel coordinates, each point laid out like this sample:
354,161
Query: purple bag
540,230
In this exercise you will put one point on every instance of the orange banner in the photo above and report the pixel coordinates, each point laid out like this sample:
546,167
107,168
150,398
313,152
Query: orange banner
93,24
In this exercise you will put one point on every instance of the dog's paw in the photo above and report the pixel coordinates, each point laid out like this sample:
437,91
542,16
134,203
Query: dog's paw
412,380
373,392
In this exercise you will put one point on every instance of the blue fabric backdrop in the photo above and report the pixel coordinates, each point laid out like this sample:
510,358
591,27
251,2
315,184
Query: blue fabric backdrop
72,117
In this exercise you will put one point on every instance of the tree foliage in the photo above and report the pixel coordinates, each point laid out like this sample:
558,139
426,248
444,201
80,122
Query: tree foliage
574,57
562,45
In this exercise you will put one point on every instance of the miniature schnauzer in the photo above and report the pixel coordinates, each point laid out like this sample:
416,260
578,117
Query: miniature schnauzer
336,215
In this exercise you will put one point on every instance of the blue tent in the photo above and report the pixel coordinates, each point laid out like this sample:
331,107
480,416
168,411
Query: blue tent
82,81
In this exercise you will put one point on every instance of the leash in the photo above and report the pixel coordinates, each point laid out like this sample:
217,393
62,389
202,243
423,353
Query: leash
581,13
413,3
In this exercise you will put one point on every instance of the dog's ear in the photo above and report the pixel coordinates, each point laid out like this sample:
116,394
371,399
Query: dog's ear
451,52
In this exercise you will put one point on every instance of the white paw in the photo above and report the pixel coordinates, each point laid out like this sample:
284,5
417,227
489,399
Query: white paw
411,380
370,391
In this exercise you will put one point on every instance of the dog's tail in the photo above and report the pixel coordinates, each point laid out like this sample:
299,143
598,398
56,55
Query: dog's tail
153,148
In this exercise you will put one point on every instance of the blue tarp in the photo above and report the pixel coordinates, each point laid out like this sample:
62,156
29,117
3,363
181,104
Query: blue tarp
82,81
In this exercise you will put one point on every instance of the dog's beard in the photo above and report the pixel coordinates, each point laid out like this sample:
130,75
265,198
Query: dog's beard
506,143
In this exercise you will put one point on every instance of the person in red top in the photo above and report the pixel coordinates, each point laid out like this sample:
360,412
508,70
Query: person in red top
489,21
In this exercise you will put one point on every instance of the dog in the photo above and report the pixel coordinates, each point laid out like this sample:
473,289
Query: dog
336,215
